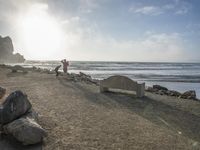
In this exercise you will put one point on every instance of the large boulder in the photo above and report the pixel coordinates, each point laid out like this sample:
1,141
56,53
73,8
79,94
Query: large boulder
15,105
26,130
158,87
2,92
188,95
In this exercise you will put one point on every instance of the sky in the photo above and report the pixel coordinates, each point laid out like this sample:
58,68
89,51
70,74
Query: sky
103,30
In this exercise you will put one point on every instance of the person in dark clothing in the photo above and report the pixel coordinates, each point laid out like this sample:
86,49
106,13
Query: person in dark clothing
56,70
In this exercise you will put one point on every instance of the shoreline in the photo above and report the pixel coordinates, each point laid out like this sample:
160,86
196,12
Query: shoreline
77,116
80,76
188,74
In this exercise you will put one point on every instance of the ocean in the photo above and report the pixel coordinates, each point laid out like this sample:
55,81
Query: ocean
175,76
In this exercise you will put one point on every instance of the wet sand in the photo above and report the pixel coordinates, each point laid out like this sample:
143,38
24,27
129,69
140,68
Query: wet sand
77,116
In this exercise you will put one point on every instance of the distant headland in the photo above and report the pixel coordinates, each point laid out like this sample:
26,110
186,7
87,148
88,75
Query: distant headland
6,52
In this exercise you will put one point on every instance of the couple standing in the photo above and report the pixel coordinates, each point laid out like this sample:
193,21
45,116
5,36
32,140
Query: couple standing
65,67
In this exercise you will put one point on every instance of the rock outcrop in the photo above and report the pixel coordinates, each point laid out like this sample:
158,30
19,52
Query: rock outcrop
6,52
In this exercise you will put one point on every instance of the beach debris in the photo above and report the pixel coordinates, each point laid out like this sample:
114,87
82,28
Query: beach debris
2,92
15,105
18,119
188,95
26,129
158,87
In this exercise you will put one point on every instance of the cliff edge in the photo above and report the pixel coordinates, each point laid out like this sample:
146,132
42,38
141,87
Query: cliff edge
6,52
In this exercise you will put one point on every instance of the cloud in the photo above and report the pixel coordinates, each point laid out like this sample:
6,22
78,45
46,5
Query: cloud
84,40
88,43
177,7
181,7
148,10
87,6
182,11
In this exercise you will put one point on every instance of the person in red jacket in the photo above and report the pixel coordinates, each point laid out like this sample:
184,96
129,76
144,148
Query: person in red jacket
65,65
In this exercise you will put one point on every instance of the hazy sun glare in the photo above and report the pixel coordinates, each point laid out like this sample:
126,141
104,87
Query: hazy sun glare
40,33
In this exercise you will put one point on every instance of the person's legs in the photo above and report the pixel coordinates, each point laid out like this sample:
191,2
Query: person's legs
65,70
56,73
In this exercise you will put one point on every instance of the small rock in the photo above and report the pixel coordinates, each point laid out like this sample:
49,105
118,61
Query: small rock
174,93
84,76
2,92
150,89
34,68
160,92
188,95
158,87
15,105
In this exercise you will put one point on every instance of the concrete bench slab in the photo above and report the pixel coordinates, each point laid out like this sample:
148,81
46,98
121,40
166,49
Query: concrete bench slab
123,83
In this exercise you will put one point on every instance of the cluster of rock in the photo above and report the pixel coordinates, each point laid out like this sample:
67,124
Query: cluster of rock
18,119
157,89
18,68
81,77
41,70
6,52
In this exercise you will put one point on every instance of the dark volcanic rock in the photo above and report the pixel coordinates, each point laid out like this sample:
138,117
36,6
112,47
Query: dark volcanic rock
15,105
6,52
2,92
189,95
158,87
26,129
173,93
150,89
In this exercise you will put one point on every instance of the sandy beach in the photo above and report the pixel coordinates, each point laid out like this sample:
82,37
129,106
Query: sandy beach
77,116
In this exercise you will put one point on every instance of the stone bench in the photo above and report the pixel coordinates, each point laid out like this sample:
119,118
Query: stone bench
122,83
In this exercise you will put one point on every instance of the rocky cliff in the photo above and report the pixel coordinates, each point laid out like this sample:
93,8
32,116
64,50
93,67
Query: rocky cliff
6,52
